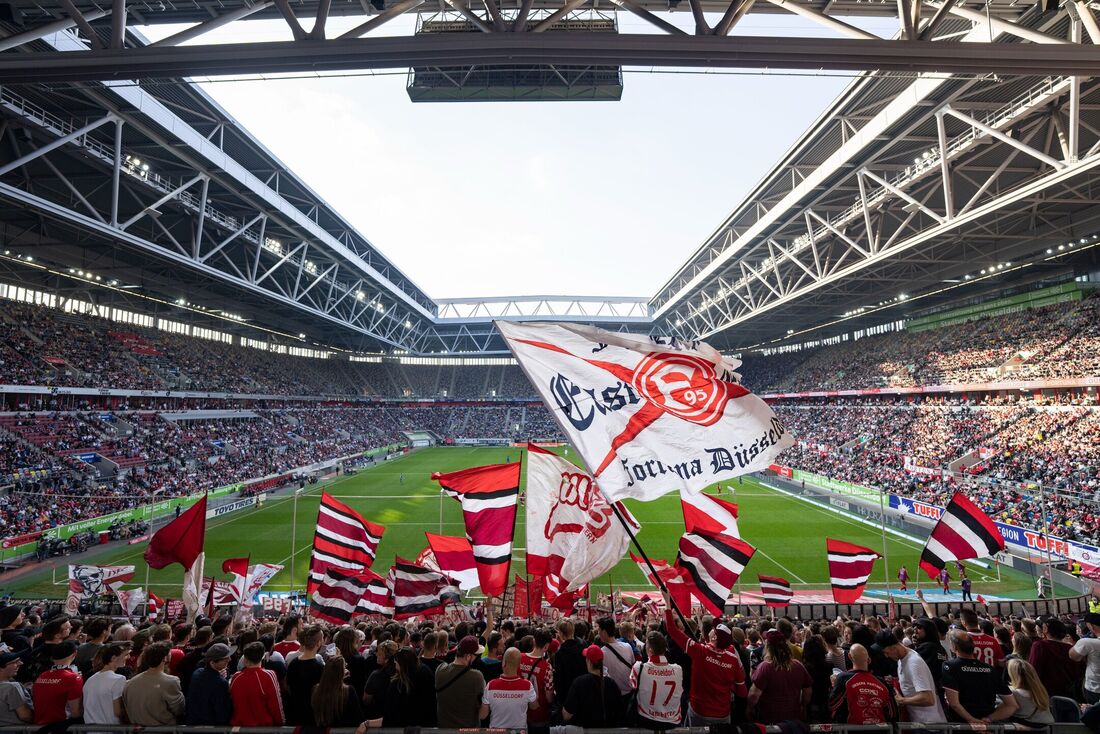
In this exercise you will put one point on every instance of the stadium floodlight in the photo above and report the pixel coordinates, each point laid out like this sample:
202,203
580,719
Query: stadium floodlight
301,336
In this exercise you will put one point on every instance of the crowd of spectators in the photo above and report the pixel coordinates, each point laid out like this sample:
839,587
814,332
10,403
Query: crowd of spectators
997,451
1055,341
638,668
155,455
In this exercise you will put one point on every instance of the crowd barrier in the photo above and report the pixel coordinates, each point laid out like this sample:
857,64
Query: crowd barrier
903,728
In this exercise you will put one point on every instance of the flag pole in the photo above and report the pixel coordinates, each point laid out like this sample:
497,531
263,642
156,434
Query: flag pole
146,588
293,539
885,552
1046,531
652,570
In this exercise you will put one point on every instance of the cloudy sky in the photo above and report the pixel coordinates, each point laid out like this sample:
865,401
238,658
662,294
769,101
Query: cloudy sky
523,198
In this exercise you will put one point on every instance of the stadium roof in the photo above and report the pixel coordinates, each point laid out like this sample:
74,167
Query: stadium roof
908,185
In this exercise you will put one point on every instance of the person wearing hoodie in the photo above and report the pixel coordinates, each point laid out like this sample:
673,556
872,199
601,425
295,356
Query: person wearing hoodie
926,643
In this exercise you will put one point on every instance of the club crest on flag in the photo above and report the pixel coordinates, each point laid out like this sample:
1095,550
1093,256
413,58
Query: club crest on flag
652,415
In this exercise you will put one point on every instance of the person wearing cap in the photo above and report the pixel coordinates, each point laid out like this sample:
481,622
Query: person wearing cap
619,657
152,697
593,700
1088,649
459,688
257,700
716,672
103,690
11,632
15,702
918,689
208,702
58,693
975,692
861,697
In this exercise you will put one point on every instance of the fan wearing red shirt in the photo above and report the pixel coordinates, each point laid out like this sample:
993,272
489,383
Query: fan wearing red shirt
716,672
535,667
292,625
986,647
58,693
255,691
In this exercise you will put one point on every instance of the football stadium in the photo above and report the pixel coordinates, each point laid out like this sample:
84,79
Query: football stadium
315,410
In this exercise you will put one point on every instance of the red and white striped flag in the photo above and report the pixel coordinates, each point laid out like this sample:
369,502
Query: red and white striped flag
344,540
712,564
963,531
776,591
850,566
455,557
649,415
340,596
489,495
420,591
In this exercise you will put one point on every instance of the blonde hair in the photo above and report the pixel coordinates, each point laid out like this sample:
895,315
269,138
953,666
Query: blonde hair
1021,674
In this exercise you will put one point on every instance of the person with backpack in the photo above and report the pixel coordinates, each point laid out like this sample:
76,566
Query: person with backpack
618,657
716,672
658,687
459,688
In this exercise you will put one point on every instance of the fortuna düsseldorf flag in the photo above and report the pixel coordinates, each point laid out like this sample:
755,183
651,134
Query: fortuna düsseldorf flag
776,591
455,557
963,531
652,415
572,530
420,591
488,495
850,566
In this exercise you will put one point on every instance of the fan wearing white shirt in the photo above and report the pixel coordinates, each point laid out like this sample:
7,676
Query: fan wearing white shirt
103,691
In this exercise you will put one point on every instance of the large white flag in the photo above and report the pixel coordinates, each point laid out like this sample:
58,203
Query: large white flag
649,415
258,575
572,531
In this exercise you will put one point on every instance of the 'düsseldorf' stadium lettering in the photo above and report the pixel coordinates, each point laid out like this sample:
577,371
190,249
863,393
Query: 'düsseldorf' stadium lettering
580,405
721,459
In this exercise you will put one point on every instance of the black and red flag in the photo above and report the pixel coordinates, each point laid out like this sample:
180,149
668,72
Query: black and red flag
344,540
711,565
776,591
489,495
420,591
963,531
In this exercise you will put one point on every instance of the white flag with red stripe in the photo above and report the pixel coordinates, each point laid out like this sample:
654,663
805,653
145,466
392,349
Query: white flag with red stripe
572,530
963,531
850,566
707,514
651,415
453,556
488,495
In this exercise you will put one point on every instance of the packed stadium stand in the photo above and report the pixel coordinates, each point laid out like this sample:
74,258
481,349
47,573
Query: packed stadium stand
994,443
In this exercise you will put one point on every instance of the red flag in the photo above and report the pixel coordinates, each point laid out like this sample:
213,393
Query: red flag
180,541
710,515
520,606
454,556
154,602
236,566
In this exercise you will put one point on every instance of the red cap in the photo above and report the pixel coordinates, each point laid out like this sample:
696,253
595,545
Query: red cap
593,654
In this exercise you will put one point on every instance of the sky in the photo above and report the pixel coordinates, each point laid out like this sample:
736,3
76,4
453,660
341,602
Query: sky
530,198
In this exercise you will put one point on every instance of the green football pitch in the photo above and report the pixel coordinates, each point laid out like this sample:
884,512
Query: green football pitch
789,533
